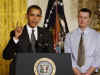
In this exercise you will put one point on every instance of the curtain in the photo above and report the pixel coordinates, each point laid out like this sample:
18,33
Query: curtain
12,13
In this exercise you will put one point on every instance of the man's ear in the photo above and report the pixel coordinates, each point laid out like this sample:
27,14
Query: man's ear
40,17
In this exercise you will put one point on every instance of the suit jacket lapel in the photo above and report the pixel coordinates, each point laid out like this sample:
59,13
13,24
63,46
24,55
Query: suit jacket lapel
25,34
25,39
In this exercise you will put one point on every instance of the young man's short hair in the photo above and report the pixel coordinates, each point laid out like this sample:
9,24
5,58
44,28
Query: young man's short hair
86,10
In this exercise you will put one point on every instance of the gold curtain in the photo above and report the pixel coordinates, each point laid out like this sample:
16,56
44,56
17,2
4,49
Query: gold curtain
12,13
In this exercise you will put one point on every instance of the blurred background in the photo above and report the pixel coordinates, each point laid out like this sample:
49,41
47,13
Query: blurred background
12,14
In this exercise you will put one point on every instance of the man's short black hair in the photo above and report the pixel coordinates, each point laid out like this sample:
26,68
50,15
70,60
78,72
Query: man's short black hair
86,10
36,7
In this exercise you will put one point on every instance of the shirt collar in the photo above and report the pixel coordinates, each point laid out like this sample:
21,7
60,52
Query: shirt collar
86,31
30,29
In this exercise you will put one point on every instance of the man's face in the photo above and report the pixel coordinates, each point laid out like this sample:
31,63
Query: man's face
34,17
83,19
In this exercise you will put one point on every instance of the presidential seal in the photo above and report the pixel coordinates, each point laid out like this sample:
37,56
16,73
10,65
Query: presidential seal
44,66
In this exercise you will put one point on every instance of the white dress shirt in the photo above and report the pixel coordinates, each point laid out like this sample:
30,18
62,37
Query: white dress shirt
29,30
91,44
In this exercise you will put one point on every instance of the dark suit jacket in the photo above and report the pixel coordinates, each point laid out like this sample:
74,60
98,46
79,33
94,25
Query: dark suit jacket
44,44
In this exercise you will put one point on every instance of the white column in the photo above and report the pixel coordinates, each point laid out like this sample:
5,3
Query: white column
71,12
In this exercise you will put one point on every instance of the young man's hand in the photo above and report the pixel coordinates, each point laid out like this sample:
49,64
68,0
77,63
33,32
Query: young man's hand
76,71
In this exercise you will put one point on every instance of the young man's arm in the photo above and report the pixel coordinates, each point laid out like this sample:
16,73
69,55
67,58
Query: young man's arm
67,49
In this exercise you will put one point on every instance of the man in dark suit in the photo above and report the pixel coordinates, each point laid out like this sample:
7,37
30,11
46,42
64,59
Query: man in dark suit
29,38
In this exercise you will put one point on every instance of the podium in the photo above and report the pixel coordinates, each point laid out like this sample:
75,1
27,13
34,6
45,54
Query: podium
43,64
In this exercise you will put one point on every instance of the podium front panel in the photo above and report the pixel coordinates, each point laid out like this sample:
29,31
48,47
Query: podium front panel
29,63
